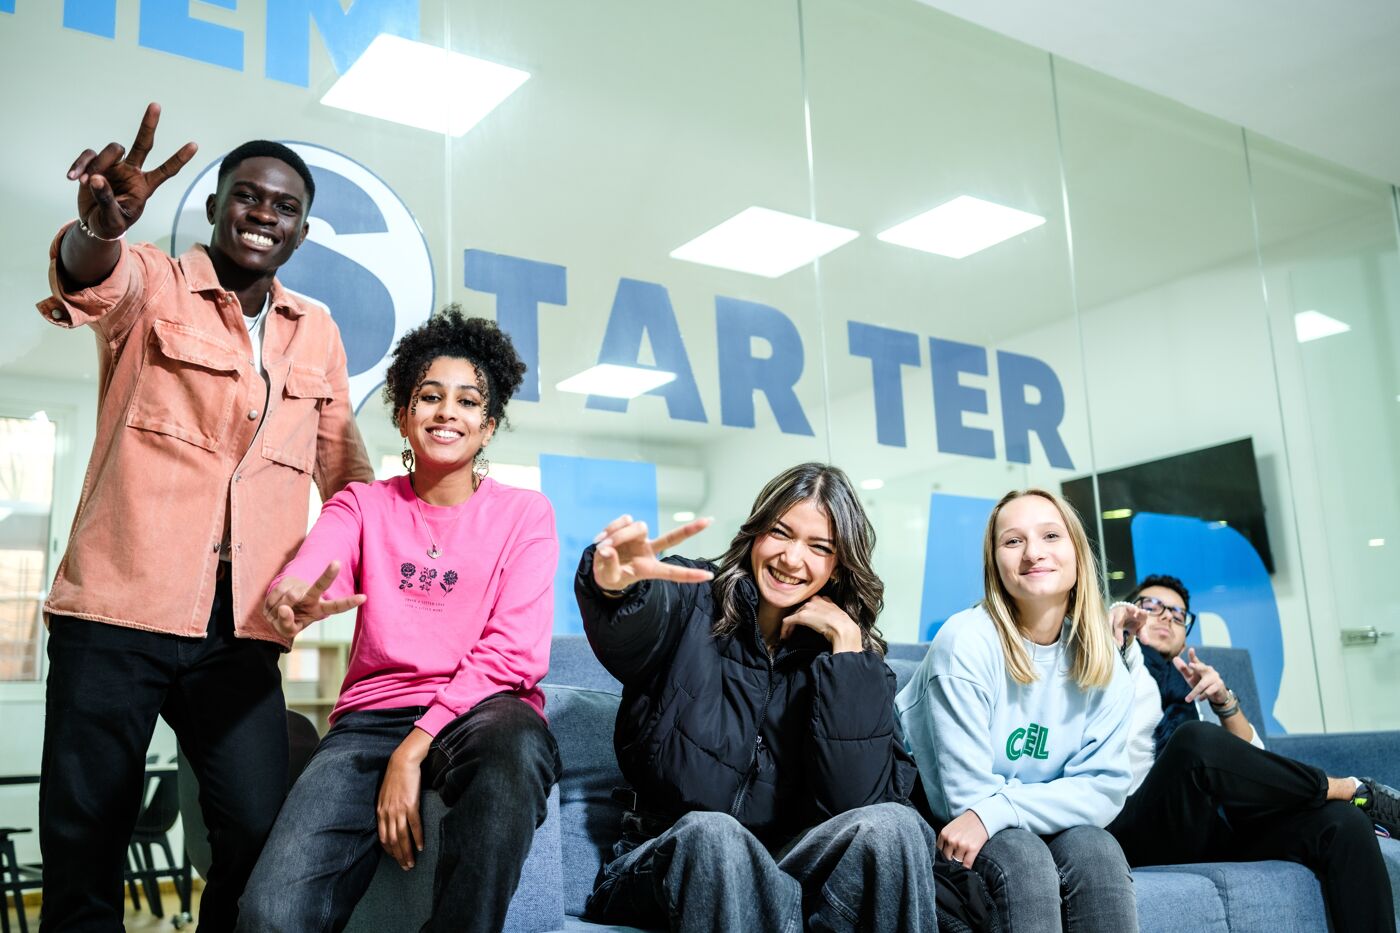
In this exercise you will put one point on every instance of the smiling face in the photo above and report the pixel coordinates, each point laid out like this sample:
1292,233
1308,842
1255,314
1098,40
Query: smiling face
446,421
1034,554
258,214
1159,632
795,558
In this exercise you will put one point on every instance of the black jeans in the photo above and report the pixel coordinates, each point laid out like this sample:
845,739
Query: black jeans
107,684
1211,796
493,766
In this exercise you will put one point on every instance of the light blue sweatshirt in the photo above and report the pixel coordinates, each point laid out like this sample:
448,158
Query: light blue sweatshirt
1043,756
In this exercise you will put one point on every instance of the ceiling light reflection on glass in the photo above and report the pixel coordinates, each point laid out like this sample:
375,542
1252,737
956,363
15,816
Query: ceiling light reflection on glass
613,381
764,242
419,85
1314,325
961,227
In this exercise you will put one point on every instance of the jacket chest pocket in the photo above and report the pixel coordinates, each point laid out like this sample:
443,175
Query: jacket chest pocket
187,386
289,435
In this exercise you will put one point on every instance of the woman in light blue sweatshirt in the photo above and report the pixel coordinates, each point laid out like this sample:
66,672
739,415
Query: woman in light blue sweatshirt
1018,719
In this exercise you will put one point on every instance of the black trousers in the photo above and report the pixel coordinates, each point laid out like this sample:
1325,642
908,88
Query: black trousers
1212,797
107,684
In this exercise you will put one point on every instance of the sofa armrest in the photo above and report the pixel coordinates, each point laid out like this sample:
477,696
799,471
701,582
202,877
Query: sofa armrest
1343,754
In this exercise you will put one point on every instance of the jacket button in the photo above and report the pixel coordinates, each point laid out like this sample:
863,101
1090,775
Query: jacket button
252,414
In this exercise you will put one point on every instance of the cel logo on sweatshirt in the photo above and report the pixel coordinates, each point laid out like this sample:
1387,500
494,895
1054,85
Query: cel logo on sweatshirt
1031,742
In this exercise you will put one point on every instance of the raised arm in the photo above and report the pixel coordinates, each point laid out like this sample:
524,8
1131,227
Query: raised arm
113,188
633,604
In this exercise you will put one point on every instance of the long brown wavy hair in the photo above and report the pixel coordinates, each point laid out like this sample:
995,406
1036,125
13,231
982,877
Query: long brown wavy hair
854,586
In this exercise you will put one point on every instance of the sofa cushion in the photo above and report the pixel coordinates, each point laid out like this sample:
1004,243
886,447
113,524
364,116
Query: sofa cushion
1363,754
903,671
572,662
1166,899
906,651
1390,851
1263,897
591,821
1237,671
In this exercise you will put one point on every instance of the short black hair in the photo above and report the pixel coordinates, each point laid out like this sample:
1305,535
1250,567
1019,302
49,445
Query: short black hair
1163,580
266,149
451,333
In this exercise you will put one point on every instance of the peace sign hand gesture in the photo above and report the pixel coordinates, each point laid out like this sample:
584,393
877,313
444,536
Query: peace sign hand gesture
294,604
113,187
625,555
1204,680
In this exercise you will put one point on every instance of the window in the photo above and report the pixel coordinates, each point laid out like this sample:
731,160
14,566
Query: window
26,502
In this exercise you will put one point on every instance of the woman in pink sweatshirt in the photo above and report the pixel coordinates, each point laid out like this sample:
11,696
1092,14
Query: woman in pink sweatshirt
452,573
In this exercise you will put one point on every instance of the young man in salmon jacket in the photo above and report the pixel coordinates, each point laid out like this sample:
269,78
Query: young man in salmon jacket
220,396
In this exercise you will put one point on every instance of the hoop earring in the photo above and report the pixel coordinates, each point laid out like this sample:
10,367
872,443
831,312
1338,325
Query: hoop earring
407,456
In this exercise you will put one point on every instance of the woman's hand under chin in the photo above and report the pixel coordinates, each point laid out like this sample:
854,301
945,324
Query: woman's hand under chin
827,619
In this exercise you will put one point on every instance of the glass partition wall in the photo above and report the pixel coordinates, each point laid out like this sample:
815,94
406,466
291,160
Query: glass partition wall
731,237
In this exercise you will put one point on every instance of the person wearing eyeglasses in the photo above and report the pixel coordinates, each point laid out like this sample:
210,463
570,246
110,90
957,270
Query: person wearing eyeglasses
1189,687
1202,793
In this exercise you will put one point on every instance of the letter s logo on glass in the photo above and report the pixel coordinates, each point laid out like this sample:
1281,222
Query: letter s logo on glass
365,259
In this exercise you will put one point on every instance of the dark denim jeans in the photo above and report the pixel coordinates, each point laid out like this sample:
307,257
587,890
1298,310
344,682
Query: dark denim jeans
493,766
866,869
221,695
1076,881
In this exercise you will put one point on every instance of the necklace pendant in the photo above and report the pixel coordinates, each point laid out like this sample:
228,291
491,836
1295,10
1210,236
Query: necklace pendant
434,552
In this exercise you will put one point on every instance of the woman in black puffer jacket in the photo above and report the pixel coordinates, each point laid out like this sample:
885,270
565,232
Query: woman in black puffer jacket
757,730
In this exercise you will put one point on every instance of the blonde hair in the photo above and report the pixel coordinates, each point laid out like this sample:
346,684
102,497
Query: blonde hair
1090,635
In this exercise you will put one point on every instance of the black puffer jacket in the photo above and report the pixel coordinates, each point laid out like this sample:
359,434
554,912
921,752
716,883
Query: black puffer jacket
707,723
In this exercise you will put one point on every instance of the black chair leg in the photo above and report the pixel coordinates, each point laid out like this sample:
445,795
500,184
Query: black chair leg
131,881
152,882
186,886
10,886
9,869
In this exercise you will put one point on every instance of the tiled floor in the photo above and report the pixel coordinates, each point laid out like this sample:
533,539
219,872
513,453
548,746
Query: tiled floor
136,921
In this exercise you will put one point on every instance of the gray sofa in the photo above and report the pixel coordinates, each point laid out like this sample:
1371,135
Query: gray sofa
1267,897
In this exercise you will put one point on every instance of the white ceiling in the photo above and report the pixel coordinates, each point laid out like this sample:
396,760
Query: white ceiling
1322,77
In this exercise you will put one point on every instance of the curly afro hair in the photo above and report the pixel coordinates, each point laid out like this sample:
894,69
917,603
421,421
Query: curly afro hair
480,342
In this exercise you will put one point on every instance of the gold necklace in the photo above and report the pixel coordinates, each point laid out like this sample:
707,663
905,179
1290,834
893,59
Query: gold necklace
434,551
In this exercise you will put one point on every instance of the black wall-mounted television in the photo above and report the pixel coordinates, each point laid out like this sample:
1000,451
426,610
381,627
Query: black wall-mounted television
1214,484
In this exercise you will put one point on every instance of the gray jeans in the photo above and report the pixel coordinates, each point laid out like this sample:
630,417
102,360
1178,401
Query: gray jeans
1076,881
866,869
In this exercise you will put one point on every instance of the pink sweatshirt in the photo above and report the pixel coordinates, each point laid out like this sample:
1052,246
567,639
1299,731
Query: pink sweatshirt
444,633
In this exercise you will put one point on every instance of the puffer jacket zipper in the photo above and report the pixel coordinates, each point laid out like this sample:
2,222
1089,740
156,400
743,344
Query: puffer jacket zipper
752,774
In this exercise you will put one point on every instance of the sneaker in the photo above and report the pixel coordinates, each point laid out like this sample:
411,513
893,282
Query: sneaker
1381,803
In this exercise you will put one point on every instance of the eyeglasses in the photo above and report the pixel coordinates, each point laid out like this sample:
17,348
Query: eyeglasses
1155,607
